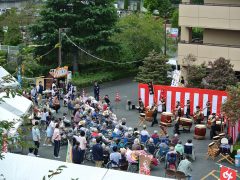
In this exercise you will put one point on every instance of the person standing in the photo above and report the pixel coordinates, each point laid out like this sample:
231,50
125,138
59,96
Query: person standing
96,89
76,154
213,126
44,118
163,103
188,105
154,115
34,94
56,138
83,145
97,151
208,106
40,88
36,137
56,103
141,105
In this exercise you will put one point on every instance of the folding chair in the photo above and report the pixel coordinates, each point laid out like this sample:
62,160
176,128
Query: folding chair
180,175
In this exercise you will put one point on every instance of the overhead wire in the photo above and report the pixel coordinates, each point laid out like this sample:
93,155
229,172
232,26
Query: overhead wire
100,59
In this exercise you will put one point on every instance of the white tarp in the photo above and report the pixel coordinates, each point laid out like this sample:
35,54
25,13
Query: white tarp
21,167
18,105
12,84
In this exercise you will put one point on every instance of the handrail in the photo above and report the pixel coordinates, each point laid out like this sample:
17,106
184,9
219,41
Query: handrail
211,4
210,44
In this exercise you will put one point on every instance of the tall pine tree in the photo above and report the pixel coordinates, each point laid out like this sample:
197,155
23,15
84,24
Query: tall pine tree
90,24
154,69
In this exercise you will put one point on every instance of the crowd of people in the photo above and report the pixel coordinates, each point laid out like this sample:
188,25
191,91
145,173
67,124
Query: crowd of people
96,133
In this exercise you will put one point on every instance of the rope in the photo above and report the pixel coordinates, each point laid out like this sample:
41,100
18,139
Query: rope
95,57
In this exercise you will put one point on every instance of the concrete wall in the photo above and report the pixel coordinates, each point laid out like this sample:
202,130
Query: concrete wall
226,37
218,17
222,1
205,53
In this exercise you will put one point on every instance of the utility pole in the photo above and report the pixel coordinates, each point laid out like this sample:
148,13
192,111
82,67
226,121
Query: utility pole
165,36
60,47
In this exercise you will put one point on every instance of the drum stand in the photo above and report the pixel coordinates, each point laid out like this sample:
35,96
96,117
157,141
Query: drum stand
141,121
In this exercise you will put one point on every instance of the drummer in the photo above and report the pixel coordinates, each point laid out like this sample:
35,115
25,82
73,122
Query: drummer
141,106
178,112
188,105
213,126
154,115
163,103
197,115
208,106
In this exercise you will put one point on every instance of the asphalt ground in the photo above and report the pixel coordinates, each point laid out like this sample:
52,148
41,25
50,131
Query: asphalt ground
127,90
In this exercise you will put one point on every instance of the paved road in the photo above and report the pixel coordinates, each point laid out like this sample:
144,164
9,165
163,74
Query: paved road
128,91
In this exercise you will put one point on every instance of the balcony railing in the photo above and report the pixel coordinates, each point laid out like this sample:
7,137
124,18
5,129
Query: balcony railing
200,42
211,4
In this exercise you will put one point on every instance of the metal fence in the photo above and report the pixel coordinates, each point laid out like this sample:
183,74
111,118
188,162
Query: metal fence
9,49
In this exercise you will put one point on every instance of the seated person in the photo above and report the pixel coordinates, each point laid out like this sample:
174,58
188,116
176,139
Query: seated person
185,166
171,159
164,139
175,139
179,148
136,145
189,142
151,146
155,137
144,132
186,148
115,157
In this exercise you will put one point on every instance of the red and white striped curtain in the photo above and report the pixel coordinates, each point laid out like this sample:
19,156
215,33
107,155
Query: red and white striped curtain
197,97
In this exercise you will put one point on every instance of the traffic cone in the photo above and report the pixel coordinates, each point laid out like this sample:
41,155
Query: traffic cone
117,97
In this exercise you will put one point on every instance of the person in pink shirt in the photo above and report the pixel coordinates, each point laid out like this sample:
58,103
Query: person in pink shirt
56,138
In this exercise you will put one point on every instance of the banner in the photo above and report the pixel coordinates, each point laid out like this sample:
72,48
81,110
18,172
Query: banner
197,97
59,72
69,153
227,173
144,164
176,78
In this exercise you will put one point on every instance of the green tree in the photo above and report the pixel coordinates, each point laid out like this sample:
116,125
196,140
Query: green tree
3,58
154,69
126,4
164,7
221,75
195,73
231,105
139,34
10,21
90,25
174,19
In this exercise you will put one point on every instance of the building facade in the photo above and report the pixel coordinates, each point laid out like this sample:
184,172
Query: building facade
220,24
132,5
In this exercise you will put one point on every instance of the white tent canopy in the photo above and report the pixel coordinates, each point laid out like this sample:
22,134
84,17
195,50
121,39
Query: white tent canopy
7,115
15,166
13,83
18,105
